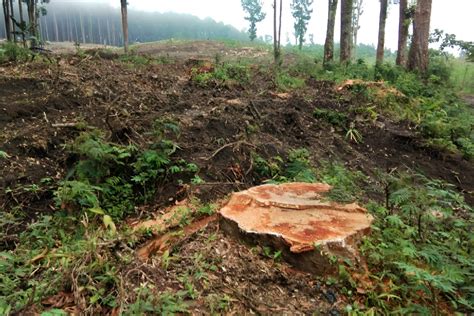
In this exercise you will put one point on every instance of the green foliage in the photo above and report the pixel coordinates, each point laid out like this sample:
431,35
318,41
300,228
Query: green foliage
346,183
253,8
12,52
135,59
298,168
422,244
332,117
301,11
286,82
222,74
111,179
3,155
150,302
73,258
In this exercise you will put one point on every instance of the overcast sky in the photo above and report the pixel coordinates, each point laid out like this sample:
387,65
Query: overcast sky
453,16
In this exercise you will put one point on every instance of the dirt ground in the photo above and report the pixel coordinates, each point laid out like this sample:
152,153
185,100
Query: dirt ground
41,106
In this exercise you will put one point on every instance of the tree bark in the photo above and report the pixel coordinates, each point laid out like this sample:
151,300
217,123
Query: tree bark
31,8
12,23
346,30
123,4
403,26
356,25
418,58
22,22
329,43
8,21
56,30
277,31
381,39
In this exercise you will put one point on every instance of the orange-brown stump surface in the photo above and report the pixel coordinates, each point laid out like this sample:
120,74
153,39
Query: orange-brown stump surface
298,220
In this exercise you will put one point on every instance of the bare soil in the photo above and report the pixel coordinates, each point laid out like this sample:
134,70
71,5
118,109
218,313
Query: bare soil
221,125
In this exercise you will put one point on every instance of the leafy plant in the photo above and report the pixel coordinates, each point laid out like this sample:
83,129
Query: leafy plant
422,245
332,117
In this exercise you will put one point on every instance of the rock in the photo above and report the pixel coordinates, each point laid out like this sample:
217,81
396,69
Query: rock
297,219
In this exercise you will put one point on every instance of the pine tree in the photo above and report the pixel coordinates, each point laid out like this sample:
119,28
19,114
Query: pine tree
301,10
253,8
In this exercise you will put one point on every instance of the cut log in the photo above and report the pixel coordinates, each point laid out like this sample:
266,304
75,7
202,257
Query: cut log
298,220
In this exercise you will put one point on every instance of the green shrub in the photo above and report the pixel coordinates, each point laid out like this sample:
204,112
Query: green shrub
12,52
332,117
225,73
112,179
286,82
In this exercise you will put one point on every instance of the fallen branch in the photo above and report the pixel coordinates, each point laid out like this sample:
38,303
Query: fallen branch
165,242
240,142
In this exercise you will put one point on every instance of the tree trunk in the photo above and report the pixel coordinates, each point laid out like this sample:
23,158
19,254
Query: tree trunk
403,26
418,58
329,43
22,22
381,40
123,4
346,30
12,23
56,30
8,21
31,8
83,33
356,26
277,32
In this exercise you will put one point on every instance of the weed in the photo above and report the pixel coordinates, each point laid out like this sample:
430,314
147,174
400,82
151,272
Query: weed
134,59
222,74
286,82
218,303
107,176
353,134
332,117
3,155
12,52
149,301
422,245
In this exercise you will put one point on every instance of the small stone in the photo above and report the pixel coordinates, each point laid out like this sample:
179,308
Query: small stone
330,296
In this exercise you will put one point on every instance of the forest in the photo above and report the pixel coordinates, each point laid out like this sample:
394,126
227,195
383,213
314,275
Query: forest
162,164
101,24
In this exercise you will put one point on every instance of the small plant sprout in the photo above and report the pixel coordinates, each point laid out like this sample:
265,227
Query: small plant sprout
353,134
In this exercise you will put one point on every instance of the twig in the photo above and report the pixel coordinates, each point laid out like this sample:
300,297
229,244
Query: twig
65,125
257,113
240,142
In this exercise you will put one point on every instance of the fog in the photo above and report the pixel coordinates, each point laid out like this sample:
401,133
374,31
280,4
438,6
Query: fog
453,16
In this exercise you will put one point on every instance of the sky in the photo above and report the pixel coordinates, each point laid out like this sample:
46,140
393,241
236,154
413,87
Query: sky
452,16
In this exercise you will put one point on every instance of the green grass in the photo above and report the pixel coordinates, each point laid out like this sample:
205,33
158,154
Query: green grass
463,76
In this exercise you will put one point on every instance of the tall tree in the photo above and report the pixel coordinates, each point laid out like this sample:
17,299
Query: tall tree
123,5
277,31
358,11
404,22
418,58
301,10
253,8
12,21
346,30
8,21
22,25
381,39
329,43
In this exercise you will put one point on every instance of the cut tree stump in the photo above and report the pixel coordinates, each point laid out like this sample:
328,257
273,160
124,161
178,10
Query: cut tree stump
297,219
